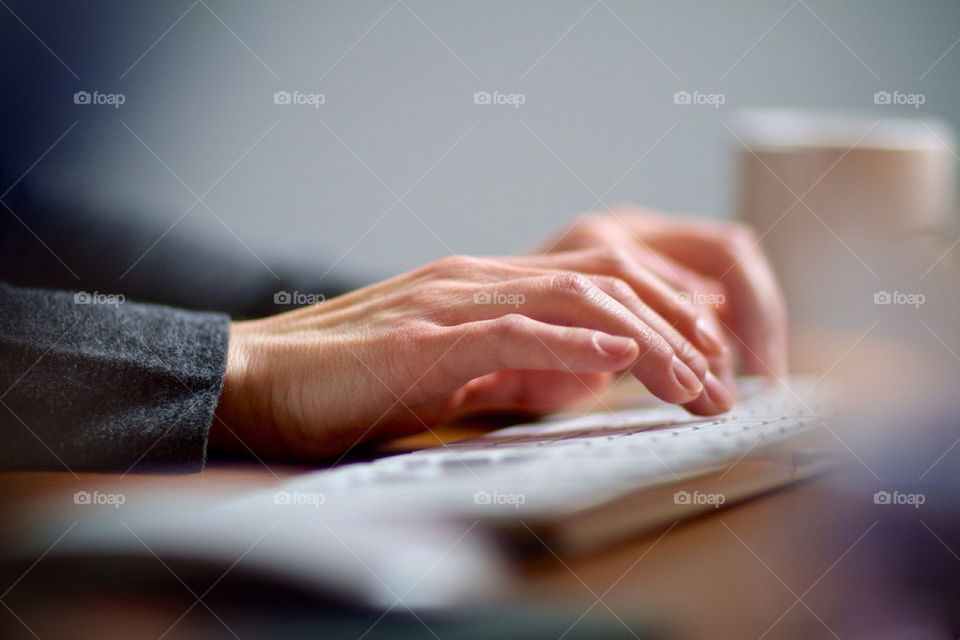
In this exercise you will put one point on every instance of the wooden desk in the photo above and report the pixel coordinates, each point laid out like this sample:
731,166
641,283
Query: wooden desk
726,575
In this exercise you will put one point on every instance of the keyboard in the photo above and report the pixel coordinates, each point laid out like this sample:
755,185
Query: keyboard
440,526
583,480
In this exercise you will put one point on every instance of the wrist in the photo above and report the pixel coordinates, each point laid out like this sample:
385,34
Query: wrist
233,412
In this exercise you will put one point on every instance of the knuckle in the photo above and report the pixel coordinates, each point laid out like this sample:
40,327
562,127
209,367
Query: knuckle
620,288
456,264
587,228
511,325
572,284
617,289
615,259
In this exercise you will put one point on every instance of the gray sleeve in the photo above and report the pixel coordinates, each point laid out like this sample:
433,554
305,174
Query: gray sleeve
105,383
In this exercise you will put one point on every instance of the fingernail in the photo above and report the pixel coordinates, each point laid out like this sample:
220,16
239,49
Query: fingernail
717,392
686,377
708,339
616,346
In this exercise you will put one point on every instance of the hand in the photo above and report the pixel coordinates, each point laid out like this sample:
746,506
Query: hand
717,267
459,336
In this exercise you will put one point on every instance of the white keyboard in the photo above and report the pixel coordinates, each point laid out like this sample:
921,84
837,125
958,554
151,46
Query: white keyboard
568,465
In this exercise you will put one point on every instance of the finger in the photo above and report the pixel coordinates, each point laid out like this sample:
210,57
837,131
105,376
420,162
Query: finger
731,254
674,305
514,341
756,308
629,227
621,291
677,315
715,397
572,299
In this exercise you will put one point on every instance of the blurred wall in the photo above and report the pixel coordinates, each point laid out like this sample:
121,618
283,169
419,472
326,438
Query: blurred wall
399,165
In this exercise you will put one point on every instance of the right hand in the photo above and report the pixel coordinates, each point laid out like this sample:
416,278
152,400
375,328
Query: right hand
459,336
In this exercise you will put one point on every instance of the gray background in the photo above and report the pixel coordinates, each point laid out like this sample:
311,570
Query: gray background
399,118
